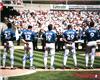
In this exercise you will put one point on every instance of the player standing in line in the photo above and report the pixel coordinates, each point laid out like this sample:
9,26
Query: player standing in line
27,37
8,36
70,36
50,38
91,37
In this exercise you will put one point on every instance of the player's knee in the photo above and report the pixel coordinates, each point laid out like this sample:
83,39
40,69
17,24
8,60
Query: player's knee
4,57
31,57
52,54
12,57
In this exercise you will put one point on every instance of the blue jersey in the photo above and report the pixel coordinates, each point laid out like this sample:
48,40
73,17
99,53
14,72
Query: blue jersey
8,35
91,34
50,37
70,35
28,35
99,33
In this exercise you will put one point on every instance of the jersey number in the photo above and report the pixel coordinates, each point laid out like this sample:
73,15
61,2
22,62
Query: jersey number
7,35
70,37
27,37
48,37
91,34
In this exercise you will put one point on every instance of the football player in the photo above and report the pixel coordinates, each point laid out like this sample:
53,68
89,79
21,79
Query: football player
27,37
8,36
91,37
50,38
70,36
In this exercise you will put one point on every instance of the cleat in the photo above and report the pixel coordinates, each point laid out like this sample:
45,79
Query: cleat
32,67
86,67
91,67
65,67
52,67
46,67
76,67
23,67
12,68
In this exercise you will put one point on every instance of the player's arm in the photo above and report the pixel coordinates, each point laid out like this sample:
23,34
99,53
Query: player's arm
23,40
43,36
2,36
13,36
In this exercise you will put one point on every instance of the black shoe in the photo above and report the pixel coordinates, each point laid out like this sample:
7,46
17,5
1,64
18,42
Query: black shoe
3,68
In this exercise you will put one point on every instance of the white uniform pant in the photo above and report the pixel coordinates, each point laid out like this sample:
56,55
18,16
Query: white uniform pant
50,47
28,49
11,49
90,51
70,48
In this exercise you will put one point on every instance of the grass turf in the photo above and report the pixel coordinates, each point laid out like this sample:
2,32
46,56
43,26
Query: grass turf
38,59
38,62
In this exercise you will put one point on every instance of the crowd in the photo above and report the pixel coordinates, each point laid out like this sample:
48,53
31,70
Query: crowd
60,19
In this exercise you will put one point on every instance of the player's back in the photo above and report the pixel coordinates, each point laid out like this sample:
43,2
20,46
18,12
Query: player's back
91,34
70,35
28,35
50,36
8,34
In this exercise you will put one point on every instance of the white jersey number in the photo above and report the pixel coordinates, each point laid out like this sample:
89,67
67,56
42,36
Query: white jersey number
92,34
7,35
27,37
70,37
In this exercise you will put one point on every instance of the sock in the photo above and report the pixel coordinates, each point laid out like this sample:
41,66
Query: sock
74,58
31,61
24,60
92,60
52,60
65,57
45,58
4,58
86,59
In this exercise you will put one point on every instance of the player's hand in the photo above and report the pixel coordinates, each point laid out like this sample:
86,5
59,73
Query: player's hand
26,43
61,39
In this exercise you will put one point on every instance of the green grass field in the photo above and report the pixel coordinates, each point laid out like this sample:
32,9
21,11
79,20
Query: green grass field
38,62
38,59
